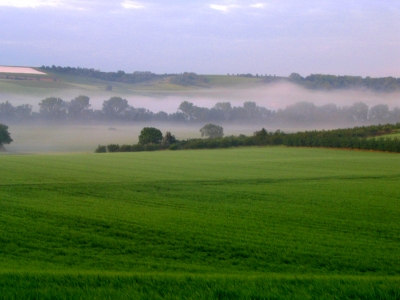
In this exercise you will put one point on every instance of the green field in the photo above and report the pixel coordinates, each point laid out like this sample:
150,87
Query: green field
247,223
392,135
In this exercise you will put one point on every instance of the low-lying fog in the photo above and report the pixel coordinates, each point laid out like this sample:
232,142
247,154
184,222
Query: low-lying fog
66,138
272,96
86,138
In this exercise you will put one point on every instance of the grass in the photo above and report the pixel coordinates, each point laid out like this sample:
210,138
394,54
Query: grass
391,136
69,86
249,223
231,81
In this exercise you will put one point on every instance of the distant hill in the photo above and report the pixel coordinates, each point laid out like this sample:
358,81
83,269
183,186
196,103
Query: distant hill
62,81
313,81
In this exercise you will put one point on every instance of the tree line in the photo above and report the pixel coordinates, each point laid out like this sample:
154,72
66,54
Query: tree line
364,137
118,109
330,82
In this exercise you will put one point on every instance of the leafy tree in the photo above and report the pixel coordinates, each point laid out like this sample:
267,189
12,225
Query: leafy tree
379,113
150,135
261,136
23,112
187,108
7,111
115,108
78,107
225,108
358,112
53,108
5,137
168,139
212,131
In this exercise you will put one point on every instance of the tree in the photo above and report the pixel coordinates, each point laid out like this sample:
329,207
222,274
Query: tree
7,111
115,108
78,107
53,108
261,136
379,113
5,137
187,109
168,139
212,131
150,135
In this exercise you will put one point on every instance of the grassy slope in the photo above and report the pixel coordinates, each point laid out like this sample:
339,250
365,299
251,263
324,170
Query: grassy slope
230,218
391,136
69,85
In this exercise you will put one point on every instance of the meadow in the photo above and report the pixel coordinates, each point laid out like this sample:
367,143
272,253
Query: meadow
243,223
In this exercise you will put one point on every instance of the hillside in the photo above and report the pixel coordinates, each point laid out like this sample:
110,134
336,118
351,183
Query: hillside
60,80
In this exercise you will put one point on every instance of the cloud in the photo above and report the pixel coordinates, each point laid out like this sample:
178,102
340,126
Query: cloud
258,5
223,8
132,5
29,3
228,7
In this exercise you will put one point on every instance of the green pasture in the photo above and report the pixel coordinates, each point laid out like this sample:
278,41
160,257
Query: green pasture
231,81
68,86
246,223
391,136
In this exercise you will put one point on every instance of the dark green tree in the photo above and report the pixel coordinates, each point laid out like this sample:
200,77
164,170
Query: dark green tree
150,135
261,136
168,139
5,137
212,131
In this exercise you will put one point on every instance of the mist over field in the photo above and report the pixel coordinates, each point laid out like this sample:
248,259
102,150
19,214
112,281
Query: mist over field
59,136
85,138
271,96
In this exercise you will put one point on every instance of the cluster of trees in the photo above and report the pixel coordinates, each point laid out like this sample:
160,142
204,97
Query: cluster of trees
365,137
118,109
329,82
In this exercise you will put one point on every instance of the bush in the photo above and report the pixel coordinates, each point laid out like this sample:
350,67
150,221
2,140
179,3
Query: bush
151,147
174,147
113,148
125,148
137,148
101,149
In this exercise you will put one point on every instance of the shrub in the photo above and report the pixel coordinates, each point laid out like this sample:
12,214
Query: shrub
151,147
113,148
101,149
137,148
125,148
174,147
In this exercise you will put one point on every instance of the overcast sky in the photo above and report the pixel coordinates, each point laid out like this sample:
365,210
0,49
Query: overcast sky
342,37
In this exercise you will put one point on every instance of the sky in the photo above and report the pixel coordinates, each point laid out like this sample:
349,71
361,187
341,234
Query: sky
341,37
